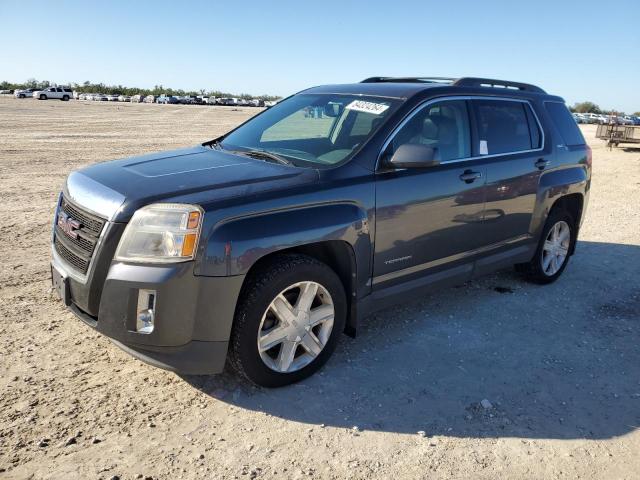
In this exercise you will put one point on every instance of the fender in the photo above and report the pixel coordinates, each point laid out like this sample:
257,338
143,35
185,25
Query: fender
554,185
235,245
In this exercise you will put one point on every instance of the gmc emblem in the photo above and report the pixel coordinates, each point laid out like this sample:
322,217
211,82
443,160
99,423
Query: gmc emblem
68,225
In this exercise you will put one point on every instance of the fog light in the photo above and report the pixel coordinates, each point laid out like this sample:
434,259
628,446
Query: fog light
145,314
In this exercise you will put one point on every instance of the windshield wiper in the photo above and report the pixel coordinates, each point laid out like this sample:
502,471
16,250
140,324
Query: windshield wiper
265,155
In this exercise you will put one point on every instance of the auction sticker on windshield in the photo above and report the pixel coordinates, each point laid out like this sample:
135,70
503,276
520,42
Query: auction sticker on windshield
367,107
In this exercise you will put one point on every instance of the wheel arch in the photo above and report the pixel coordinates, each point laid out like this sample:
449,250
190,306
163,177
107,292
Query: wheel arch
566,187
573,203
336,234
337,255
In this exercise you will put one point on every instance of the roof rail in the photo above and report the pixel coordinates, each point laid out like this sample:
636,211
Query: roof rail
408,80
489,82
460,82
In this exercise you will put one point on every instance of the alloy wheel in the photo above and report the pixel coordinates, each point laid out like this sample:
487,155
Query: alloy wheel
296,327
556,248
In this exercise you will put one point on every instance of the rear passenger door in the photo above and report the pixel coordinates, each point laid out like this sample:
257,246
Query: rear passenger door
511,138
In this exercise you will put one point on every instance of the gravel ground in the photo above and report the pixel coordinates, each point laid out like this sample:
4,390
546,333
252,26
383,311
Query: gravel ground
494,379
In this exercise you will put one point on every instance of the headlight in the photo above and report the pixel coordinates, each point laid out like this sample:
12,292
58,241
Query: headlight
161,233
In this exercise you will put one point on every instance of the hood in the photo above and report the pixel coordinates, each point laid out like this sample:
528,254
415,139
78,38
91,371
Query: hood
116,189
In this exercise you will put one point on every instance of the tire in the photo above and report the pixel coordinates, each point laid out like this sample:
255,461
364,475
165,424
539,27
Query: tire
20,96
65,98
43,97
287,276
547,266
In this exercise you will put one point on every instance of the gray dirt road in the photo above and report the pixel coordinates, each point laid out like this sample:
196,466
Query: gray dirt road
560,364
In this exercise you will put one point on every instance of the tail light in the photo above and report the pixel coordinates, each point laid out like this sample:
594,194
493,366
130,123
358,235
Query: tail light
589,156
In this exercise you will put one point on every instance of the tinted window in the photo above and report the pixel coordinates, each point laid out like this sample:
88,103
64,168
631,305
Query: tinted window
534,128
565,123
443,126
502,127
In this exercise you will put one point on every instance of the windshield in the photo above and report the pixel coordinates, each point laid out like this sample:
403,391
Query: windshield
317,129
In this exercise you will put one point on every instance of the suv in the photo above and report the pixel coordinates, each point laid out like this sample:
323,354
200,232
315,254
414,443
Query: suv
265,244
59,93
24,93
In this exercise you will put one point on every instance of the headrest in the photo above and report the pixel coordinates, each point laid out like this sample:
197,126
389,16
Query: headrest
429,128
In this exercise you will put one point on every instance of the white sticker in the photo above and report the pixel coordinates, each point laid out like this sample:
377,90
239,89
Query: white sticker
367,107
484,149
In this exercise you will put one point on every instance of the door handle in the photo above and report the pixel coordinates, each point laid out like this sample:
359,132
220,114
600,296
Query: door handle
470,176
542,163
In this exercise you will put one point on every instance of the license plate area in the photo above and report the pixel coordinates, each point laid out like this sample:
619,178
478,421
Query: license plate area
60,284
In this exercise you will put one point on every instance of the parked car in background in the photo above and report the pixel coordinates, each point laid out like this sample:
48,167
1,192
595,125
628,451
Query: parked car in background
229,101
137,98
579,118
124,98
212,101
112,97
54,93
167,99
149,99
100,97
27,92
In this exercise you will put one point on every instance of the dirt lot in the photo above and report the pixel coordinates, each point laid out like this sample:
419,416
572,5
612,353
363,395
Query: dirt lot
560,364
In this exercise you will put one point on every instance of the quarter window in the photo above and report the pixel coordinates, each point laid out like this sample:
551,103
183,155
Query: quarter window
503,127
443,126
565,123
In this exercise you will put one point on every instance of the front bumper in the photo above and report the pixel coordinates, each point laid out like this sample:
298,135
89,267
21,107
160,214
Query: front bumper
193,314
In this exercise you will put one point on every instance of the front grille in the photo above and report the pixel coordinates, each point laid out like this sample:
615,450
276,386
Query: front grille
78,246
90,222
73,259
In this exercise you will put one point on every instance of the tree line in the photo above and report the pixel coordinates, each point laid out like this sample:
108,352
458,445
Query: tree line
590,107
89,87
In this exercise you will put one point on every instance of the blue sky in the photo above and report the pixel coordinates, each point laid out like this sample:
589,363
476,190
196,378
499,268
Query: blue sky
572,48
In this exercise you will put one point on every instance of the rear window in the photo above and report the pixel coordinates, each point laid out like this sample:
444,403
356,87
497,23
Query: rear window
503,127
565,123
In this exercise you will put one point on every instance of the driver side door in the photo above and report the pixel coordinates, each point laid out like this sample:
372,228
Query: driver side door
429,220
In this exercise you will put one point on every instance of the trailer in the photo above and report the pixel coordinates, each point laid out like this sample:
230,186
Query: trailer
617,134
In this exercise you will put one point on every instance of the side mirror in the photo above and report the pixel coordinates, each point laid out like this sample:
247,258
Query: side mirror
412,155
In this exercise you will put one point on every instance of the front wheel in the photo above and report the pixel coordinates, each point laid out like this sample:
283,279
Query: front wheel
288,321
43,97
553,252
65,98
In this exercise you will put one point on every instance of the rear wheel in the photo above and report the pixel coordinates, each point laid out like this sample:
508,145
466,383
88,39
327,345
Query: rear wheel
288,321
553,252
65,98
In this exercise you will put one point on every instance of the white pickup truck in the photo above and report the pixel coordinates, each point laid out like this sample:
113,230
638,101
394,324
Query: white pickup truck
58,93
